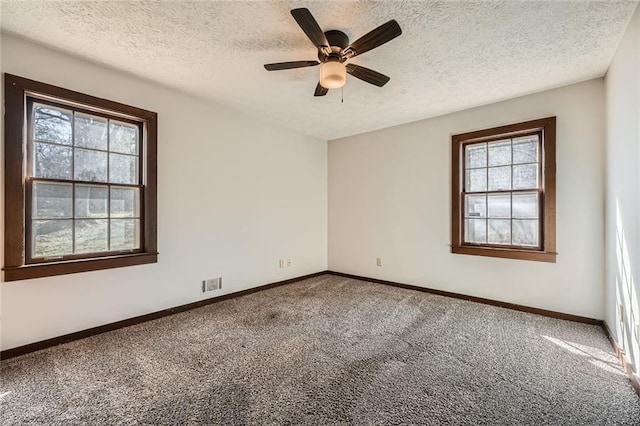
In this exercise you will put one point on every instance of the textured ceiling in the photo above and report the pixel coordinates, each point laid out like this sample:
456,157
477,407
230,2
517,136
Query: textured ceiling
452,55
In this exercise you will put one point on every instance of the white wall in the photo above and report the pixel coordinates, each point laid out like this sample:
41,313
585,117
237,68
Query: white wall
389,196
235,195
623,192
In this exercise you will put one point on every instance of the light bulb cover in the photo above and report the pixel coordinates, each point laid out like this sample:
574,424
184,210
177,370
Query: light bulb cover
333,74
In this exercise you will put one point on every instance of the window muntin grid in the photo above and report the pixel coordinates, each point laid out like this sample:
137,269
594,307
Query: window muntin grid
77,161
502,189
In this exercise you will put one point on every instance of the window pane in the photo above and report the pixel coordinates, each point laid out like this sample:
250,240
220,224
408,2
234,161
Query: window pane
475,231
525,205
91,235
499,205
125,234
475,205
525,232
525,176
91,201
91,132
52,161
500,178
125,202
52,201
499,231
90,165
525,150
123,138
123,168
476,180
52,124
500,153
51,237
476,155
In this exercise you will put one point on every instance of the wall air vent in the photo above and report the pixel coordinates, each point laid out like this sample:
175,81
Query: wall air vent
211,284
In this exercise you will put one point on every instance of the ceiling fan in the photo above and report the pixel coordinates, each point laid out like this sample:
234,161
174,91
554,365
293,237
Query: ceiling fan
334,50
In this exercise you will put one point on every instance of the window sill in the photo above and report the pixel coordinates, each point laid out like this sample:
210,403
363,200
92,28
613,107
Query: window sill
538,256
40,270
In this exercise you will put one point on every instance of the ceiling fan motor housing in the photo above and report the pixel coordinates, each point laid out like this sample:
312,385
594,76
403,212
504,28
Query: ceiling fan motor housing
338,41
337,38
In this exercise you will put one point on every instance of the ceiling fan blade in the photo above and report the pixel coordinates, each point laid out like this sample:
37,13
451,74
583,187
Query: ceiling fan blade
290,65
377,37
365,74
320,91
310,26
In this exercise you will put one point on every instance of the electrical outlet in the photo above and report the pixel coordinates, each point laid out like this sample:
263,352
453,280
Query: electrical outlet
288,263
211,284
379,261
281,263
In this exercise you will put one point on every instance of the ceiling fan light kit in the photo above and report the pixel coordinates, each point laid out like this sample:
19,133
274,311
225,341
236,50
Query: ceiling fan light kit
333,74
334,51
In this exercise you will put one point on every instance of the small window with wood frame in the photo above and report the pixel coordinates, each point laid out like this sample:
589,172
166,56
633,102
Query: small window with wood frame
504,191
80,182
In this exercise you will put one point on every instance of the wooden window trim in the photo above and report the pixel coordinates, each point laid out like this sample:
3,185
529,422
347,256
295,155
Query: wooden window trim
15,189
547,251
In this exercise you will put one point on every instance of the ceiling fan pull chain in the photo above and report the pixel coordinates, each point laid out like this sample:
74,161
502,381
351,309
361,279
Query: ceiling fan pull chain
342,90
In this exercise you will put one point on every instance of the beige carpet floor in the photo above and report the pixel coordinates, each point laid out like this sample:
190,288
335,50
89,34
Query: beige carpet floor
327,350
